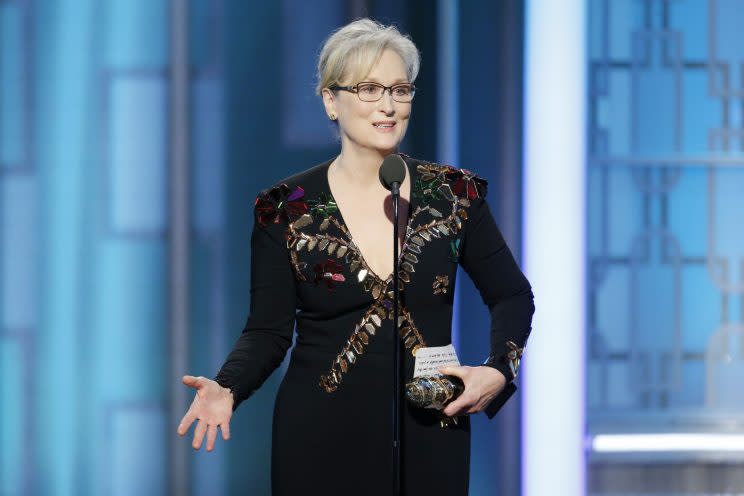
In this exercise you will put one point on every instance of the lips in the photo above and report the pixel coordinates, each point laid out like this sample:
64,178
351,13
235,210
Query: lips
384,124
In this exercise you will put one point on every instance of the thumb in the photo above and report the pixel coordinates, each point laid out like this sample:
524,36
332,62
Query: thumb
191,381
452,370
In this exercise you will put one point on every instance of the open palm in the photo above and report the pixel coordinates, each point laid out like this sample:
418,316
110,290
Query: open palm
212,407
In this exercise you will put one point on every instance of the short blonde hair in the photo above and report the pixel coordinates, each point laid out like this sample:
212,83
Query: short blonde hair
353,50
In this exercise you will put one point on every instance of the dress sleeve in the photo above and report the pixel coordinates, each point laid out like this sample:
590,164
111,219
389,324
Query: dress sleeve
267,334
504,289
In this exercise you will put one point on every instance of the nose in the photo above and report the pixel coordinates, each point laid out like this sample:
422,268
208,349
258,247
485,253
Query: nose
386,102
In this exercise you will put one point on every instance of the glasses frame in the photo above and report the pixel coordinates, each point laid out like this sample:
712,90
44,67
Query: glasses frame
389,89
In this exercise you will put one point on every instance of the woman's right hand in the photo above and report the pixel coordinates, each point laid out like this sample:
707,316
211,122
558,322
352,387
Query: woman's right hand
212,406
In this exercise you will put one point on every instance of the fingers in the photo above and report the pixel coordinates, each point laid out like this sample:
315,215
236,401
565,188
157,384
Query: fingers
201,429
186,422
456,407
456,371
211,436
225,430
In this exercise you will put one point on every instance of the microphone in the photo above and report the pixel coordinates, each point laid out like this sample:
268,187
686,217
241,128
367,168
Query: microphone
392,172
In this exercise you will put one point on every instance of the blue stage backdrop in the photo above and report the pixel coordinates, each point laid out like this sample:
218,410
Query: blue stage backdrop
87,383
666,247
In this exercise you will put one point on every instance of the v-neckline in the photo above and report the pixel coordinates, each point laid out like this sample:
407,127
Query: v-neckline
411,199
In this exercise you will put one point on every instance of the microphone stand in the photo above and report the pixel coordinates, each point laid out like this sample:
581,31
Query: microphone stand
397,490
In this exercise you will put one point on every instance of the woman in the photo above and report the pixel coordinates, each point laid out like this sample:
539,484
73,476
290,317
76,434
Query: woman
321,259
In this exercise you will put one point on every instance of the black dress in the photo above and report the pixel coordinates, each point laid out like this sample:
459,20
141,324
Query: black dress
332,426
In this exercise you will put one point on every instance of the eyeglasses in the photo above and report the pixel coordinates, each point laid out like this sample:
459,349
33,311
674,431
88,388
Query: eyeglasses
371,92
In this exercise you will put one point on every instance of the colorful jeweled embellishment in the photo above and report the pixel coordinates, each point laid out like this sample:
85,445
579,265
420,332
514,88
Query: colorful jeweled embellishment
280,203
465,184
427,190
330,272
515,356
455,250
323,206
440,284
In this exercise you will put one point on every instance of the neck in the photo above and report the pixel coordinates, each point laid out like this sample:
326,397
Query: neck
360,166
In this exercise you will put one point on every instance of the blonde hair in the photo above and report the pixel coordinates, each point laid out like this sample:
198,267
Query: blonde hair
353,50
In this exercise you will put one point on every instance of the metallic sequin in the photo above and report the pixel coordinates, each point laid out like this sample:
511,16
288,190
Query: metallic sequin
351,356
410,257
303,221
446,191
376,290
440,284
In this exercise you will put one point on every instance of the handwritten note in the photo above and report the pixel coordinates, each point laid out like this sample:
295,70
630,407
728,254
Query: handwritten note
430,358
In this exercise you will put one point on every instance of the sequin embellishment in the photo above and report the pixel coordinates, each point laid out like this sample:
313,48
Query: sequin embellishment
330,272
280,203
440,284
452,188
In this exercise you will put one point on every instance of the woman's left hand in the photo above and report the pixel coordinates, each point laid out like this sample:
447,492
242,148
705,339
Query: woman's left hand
482,384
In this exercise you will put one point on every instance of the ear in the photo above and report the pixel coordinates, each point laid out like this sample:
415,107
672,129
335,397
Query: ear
329,102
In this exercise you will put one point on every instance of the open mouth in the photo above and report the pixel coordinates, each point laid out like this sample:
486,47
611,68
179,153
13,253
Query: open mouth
384,125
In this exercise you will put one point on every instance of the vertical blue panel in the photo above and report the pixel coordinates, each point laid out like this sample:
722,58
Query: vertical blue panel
726,224
12,117
137,33
18,262
208,136
12,432
305,25
130,344
138,160
61,127
137,460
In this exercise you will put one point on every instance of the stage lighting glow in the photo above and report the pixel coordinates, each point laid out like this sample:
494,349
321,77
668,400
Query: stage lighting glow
686,442
554,247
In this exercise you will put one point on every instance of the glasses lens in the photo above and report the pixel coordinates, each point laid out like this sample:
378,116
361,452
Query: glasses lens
369,92
402,92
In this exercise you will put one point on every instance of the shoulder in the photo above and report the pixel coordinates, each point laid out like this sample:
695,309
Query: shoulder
310,177
286,199
447,179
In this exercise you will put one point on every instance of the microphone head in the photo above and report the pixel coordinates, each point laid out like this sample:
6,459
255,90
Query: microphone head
392,170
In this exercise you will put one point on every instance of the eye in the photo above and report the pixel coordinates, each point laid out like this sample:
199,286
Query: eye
369,89
402,90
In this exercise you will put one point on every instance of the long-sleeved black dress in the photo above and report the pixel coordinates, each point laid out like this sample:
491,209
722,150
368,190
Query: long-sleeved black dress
332,426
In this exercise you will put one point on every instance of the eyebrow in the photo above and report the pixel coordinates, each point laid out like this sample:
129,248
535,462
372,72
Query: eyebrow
397,81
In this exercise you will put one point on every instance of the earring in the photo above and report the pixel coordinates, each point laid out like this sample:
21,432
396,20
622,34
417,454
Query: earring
332,116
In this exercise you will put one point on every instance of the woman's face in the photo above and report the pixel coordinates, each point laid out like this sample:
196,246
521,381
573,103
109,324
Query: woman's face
379,125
